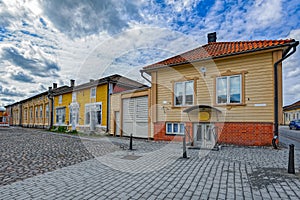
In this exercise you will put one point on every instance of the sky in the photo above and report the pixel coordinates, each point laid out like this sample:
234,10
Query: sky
42,42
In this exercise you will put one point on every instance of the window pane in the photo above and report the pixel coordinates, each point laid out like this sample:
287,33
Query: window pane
169,128
87,118
175,128
222,90
181,128
235,89
178,90
189,93
99,117
63,115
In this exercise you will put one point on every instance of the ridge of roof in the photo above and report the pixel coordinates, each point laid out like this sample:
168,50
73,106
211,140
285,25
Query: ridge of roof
219,49
116,78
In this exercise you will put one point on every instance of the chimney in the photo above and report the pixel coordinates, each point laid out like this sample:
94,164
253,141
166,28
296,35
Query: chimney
54,85
49,88
212,37
91,80
72,82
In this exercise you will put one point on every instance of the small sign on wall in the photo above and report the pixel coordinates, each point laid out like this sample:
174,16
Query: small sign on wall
260,104
204,116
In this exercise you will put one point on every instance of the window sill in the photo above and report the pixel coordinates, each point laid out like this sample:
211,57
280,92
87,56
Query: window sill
230,105
179,107
175,134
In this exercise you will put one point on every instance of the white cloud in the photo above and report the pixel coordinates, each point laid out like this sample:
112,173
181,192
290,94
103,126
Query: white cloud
291,73
265,13
87,39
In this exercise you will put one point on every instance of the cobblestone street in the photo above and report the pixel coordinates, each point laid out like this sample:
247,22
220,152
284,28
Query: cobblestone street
103,168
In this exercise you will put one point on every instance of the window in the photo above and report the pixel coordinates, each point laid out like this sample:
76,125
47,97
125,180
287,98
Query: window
25,115
175,128
36,112
229,89
184,93
31,117
60,115
93,112
93,92
60,99
74,96
41,112
47,111
74,115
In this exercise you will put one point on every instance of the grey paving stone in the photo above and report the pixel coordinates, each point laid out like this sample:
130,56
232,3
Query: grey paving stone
231,173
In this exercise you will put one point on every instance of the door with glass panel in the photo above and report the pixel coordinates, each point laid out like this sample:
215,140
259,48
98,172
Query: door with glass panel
204,135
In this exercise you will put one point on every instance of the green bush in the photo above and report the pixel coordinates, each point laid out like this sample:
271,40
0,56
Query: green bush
62,129
72,131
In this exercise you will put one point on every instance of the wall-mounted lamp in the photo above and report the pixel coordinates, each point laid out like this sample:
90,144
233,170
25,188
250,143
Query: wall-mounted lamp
164,107
203,70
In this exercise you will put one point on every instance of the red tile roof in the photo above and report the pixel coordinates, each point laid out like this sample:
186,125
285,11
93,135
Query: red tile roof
220,49
293,106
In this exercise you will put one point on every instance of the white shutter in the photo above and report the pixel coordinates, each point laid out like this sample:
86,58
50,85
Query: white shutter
135,117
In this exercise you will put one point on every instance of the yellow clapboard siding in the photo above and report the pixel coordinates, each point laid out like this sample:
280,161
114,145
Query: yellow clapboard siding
115,104
83,97
258,87
66,101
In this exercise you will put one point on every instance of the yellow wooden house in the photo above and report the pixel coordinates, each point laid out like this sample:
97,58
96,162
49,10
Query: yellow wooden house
61,98
90,105
291,112
225,92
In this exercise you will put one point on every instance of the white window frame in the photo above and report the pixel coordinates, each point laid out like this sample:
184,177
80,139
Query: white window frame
60,99
25,114
31,113
63,116
41,112
88,109
74,97
47,111
36,112
228,89
76,117
93,92
173,132
183,93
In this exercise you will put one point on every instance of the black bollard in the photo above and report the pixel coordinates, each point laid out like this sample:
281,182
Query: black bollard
184,148
130,143
291,167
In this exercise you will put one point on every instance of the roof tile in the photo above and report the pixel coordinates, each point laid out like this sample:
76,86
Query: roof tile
217,49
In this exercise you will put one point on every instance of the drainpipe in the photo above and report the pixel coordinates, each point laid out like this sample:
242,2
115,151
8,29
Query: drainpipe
50,97
108,106
285,56
142,74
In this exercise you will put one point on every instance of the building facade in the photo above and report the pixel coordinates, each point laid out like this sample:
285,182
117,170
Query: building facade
4,120
291,112
221,92
84,107
131,113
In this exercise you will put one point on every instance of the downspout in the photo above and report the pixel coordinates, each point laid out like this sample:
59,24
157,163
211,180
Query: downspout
108,105
50,97
285,56
142,74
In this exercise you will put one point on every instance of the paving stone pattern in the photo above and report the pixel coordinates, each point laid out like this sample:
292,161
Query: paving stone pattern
155,170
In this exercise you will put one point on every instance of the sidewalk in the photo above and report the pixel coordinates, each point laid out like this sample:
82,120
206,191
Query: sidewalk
157,171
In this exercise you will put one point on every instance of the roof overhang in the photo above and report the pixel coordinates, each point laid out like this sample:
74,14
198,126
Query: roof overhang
148,70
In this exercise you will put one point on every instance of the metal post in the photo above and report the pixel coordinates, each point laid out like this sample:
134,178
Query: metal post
184,148
130,143
291,166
